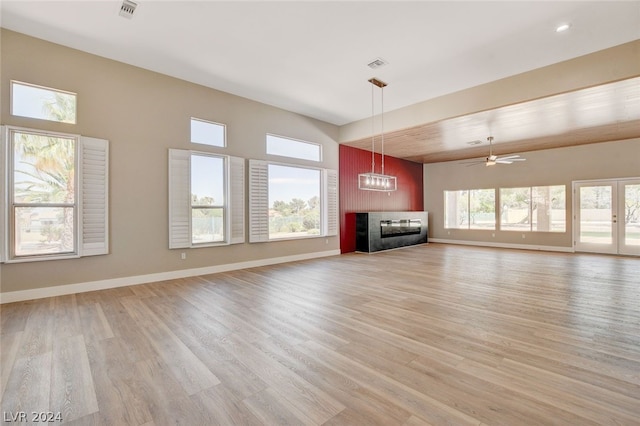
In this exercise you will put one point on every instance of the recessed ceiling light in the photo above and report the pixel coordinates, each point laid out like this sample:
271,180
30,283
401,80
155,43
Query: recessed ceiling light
563,27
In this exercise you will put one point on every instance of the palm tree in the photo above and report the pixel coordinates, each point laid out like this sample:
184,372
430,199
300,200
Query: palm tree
45,173
45,170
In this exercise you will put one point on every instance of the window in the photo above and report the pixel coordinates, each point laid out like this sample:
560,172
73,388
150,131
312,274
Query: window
288,201
56,197
470,209
208,133
294,201
206,199
28,100
456,209
515,212
537,209
286,147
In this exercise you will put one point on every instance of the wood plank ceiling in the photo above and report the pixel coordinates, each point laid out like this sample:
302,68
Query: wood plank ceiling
597,114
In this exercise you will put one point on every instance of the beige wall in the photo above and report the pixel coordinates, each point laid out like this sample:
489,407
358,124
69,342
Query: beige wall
561,166
143,114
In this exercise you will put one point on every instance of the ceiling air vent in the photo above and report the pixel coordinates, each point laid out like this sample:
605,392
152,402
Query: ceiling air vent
127,9
376,63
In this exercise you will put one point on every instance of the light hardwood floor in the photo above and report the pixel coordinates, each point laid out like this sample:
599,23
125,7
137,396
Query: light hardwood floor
433,334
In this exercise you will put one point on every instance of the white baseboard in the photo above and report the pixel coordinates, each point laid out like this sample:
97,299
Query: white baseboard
503,245
39,293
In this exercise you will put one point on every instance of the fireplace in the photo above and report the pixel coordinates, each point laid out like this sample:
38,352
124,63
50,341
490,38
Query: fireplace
395,227
377,231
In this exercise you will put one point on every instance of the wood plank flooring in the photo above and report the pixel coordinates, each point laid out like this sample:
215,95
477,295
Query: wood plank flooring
433,334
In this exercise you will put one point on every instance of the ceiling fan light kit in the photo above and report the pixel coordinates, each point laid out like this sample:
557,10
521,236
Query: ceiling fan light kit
373,181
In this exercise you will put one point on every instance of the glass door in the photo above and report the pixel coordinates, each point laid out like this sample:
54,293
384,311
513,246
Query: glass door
595,217
629,216
607,216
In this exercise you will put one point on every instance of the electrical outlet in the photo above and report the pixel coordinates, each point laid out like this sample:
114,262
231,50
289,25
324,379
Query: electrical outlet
183,255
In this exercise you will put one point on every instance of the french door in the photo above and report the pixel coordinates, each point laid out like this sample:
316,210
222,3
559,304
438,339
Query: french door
607,216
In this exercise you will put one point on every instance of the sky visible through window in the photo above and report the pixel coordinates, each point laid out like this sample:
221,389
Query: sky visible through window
207,133
207,177
39,102
287,183
292,148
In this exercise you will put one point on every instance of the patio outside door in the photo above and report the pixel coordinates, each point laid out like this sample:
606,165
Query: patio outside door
607,216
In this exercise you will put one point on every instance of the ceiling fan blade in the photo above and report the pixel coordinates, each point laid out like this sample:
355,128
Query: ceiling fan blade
508,157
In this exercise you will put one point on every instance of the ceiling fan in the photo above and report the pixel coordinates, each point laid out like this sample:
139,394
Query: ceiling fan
492,159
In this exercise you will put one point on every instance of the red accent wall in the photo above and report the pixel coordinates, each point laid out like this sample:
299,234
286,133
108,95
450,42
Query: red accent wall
408,197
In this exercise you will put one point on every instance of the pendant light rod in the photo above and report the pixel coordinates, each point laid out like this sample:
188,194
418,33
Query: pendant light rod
381,84
377,181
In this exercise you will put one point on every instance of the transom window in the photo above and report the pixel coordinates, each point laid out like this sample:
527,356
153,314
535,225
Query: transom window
292,148
208,133
44,103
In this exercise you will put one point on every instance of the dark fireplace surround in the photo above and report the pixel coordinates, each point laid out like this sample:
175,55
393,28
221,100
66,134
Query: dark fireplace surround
377,231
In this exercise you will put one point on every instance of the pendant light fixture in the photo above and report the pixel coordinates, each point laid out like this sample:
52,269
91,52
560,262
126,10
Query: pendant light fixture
373,181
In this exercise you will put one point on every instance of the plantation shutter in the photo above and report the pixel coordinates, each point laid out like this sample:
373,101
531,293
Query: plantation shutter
4,201
94,196
179,198
236,200
331,202
258,201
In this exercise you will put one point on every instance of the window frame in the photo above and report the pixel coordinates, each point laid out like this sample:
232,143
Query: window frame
180,200
51,89
224,206
259,201
201,120
14,206
322,201
468,222
91,174
270,136
530,210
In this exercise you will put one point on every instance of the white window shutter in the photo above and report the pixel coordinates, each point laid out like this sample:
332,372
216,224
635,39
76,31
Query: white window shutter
236,200
331,202
258,201
94,196
179,198
4,201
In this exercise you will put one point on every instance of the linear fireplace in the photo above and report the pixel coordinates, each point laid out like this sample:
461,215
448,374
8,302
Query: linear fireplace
394,227
377,231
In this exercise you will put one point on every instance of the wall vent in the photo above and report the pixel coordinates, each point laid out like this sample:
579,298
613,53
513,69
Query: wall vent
377,63
127,9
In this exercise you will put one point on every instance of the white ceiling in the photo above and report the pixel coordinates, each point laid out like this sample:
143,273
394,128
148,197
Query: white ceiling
311,57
